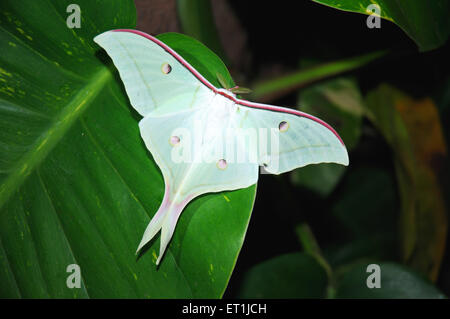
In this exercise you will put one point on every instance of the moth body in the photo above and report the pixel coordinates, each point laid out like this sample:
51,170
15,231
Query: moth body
204,139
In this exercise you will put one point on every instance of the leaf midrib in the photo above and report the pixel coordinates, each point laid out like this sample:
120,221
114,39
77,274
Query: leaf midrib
53,134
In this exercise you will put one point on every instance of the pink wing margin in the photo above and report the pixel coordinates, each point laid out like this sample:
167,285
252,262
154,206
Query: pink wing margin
215,90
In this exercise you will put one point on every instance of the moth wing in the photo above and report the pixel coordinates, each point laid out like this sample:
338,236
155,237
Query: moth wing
294,139
190,166
156,78
195,165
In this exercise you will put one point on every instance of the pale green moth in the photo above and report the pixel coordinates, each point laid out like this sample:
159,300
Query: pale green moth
175,99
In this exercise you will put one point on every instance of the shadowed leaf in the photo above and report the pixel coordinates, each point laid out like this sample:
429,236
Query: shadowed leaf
426,22
412,129
396,281
295,275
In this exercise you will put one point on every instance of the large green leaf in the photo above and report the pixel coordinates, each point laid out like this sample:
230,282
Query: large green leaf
77,185
426,22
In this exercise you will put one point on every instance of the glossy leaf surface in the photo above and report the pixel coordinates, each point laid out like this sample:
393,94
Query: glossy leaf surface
426,22
77,185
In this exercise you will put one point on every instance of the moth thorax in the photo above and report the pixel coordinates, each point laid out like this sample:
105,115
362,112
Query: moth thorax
218,117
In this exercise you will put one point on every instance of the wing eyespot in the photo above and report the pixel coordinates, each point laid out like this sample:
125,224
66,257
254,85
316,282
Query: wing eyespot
283,126
174,140
166,68
222,164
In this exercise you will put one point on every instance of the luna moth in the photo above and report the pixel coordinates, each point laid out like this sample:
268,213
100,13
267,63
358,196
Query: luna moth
175,99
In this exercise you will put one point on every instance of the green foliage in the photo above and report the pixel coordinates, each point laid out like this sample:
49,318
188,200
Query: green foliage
413,131
295,275
426,22
197,20
77,185
339,103
371,216
360,212
366,211
273,88
397,282
298,275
